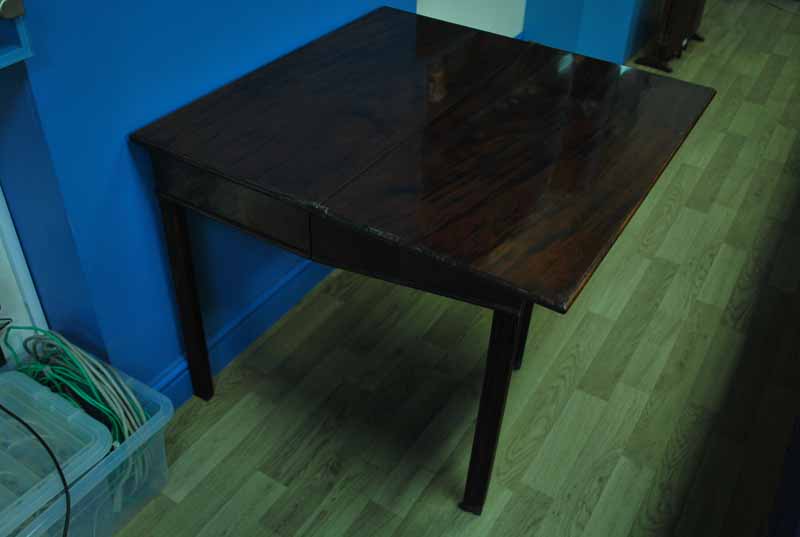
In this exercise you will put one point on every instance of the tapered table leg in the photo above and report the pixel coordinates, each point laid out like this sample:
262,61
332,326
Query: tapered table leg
194,339
522,334
490,415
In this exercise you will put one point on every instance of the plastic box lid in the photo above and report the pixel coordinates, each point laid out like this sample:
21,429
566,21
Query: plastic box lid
108,494
28,479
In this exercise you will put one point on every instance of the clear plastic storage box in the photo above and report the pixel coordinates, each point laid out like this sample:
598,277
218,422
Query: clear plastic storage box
115,488
28,478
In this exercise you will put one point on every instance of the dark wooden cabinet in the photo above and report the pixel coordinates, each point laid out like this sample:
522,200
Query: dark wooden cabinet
675,23
700,7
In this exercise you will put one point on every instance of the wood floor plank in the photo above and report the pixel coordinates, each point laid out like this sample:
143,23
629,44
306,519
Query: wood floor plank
618,505
531,428
660,512
735,187
707,188
402,341
674,247
433,515
783,89
280,377
210,495
522,515
703,248
327,476
386,315
575,502
145,522
749,61
747,119
344,504
617,282
673,199
725,107
722,276
769,75
564,443
403,487
213,446
402,416
317,433
750,285
635,231
555,333
373,521
712,490
773,25
653,351
791,117
717,372
780,144
755,204
467,525
652,432
462,356
409,478
192,420
786,45
699,148
291,332
301,400
353,288
602,376
240,515
451,326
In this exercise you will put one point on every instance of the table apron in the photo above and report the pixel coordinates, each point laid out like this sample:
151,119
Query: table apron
268,218
339,245
323,239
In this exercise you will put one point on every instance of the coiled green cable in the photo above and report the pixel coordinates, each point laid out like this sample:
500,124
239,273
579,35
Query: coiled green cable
60,365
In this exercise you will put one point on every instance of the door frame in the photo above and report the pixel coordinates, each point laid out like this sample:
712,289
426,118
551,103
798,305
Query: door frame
9,242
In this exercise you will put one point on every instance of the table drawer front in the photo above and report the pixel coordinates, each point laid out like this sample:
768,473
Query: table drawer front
253,211
338,245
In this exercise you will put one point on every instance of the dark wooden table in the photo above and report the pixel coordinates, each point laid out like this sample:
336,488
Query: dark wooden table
462,163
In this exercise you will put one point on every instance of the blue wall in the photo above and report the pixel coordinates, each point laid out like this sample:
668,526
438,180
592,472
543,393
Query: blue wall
107,68
611,30
34,198
555,24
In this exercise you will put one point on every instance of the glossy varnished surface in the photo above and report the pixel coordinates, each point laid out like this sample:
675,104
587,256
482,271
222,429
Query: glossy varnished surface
512,160
305,124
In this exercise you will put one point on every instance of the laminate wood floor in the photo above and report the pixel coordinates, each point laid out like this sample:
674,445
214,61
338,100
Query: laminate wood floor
660,405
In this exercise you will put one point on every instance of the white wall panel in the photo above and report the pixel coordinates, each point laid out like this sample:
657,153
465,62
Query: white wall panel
505,17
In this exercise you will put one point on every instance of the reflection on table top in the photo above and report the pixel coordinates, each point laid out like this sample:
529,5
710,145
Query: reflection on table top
509,158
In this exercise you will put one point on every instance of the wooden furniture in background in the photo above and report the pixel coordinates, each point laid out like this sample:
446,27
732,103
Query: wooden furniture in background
459,162
675,23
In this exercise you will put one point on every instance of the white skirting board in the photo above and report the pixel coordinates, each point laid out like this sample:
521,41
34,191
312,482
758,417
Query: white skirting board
505,17
18,298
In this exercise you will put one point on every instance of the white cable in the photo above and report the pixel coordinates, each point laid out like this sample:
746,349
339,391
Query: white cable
107,385
113,388
114,399
110,398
